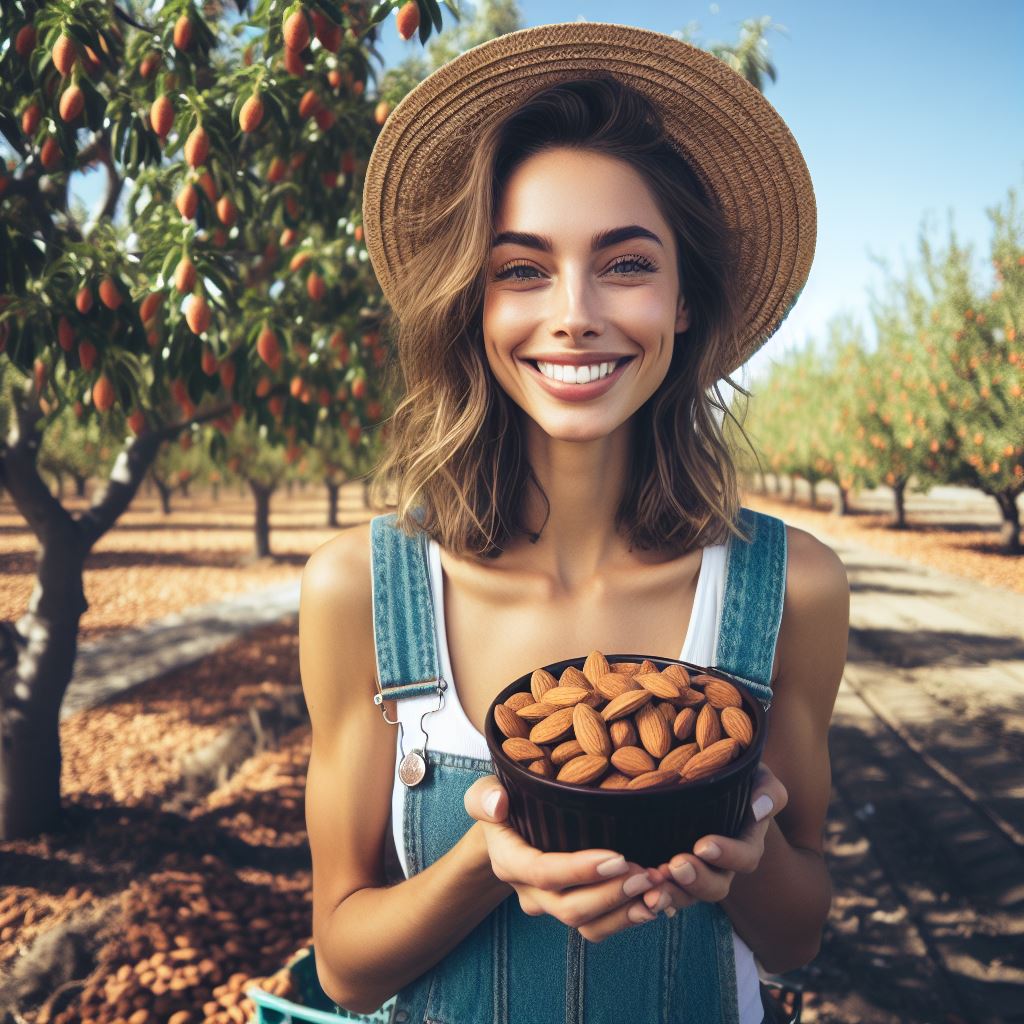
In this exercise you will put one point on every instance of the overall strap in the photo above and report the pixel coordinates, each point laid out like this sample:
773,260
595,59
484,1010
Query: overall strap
403,614
755,588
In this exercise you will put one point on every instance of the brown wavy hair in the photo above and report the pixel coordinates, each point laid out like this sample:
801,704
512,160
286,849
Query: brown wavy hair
455,464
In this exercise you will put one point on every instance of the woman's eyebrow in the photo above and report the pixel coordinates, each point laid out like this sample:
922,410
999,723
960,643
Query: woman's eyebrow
601,239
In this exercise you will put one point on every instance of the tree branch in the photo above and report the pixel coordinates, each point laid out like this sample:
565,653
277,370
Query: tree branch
19,471
125,477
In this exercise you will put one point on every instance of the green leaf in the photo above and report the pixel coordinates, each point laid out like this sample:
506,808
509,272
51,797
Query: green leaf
435,12
380,12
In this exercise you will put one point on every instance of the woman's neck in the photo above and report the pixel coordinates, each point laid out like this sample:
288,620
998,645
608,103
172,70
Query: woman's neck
583,482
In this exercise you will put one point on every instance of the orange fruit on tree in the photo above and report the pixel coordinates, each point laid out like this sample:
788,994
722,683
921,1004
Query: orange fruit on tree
197,313
293,63
110,293
381,111
309,104
276,406
72,103
183,33
296,31
103,394
30,118
197,147
326,31
50,154
296,386
227,211
227,374
263,386
150,304
324,118
148,65
65,334
161,116
276,170
63,54
83,300
299,260
251,114
187,201
408,20
268,348
359,387
316,288
25,41
137,422
208,361
185,276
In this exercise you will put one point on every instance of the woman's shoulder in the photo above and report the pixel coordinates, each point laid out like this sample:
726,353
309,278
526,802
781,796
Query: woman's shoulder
814,572
340,565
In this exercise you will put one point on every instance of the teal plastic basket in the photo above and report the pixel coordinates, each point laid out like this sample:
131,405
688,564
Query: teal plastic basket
314,1005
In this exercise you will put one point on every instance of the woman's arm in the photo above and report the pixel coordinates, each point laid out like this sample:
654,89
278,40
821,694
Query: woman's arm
370,939
779,908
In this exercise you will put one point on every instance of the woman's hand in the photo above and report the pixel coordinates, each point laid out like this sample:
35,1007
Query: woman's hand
707,875
594,891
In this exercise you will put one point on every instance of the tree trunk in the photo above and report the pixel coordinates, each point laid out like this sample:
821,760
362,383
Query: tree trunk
1009,531
899,520
841,506
60,485
216,491
262,495
814,493
184,488
332,503
366,494
80,482
37,653
792,488
289,486
165,494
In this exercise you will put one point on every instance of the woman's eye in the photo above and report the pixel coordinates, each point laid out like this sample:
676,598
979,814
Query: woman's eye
634,264
508,272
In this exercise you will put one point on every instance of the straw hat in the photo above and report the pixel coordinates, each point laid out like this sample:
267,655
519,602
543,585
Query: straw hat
733,138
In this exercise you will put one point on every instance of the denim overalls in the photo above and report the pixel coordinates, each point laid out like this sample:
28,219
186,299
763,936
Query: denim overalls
517,969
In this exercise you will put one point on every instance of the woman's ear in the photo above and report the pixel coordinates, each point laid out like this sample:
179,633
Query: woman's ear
682,316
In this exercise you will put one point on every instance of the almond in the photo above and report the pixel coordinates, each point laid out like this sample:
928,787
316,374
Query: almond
566,696
690,699
658,684
541,767
625,704
647,666
710,760
572,676
622,733
536,712
668,709
509,722
614,780
708,728
655,778
518,701
566,752
595,666
554,727
626,668
677,757
720,694
685,723
632,761
736,724
540,682
653,731
591,731
611,684
519,749
678,675
583,769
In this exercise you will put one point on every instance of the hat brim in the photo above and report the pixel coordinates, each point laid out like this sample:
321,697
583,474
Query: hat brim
733,138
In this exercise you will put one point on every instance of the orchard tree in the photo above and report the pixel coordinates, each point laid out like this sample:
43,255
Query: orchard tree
224,247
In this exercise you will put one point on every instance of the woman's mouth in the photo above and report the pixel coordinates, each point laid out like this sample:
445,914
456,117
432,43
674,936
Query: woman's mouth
577,383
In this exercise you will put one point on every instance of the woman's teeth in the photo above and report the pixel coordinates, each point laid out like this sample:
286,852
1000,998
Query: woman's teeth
575,374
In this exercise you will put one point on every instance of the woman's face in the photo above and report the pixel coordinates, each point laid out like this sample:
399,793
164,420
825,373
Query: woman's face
567,289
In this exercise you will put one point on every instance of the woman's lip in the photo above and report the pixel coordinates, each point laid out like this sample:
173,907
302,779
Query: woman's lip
578,392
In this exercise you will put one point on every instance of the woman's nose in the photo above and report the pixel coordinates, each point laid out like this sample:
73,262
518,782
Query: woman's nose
575,310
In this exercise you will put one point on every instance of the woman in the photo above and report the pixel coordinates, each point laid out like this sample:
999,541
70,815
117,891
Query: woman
567,197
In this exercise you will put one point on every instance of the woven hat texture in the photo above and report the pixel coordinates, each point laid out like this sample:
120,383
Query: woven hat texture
733,138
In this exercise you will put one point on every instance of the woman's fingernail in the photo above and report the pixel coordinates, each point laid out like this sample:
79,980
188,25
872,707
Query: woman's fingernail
670,911
685,873
639,913
636,884
491,802
708,851
663,901
613,866
762,806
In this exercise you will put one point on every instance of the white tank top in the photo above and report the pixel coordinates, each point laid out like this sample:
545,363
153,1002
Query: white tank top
450,730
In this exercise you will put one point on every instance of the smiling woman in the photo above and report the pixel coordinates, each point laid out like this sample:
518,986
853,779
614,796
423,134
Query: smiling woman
582,230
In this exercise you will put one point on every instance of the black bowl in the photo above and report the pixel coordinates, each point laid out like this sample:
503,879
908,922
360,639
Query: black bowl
647,826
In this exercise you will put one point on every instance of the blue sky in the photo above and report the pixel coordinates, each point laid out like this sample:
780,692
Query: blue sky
902,110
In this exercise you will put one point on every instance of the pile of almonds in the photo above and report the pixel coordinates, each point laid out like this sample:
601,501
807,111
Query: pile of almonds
624,726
